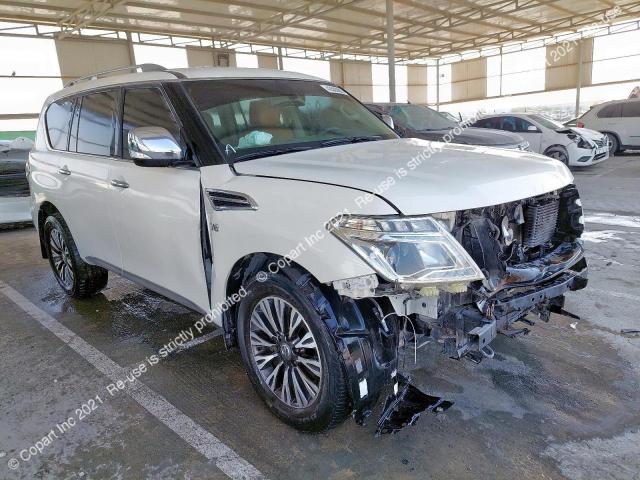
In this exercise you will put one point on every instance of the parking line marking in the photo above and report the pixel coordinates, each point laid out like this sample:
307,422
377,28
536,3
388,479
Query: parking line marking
228,461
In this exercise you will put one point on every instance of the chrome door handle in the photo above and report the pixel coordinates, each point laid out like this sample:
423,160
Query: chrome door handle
64,171
119,183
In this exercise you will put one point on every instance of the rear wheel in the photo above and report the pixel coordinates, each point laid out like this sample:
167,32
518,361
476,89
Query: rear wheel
75,276
290,356
614,144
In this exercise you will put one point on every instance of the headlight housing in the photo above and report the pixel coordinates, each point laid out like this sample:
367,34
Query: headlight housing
413,250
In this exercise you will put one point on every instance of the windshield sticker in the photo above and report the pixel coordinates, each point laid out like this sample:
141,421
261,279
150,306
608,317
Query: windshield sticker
333,89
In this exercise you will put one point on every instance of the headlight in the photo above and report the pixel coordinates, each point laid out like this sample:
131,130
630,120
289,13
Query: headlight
579,140
416,250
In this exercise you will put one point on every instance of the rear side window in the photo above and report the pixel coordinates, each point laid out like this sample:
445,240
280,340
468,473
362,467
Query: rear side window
58,118
611,111
97,124
631,109
146,107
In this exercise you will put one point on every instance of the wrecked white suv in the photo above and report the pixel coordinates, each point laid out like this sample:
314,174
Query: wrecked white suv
278,206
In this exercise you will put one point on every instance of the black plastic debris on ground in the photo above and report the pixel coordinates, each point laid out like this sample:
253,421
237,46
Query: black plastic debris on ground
404,408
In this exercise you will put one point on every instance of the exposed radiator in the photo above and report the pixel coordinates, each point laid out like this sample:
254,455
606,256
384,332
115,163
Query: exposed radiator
540,221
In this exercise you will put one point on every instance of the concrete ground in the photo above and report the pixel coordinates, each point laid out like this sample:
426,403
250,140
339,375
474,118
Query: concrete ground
562,402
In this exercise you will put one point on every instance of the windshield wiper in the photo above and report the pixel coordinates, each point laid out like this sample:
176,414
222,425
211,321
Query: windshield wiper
355,139
269,153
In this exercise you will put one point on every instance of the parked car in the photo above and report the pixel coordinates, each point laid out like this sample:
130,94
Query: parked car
266,201
14,187
418,121
619,120
579,147
451,117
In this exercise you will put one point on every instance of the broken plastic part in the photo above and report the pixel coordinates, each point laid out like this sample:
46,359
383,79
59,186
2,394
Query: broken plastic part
404,408
358,287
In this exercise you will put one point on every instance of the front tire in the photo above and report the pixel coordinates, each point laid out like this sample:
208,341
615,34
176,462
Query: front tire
76,277
290,356
559,154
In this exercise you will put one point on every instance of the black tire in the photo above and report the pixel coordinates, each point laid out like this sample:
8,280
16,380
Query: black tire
558,153
614,144
331,402
78,279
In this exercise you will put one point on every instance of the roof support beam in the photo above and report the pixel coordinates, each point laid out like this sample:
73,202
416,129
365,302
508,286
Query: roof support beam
85,15
391,51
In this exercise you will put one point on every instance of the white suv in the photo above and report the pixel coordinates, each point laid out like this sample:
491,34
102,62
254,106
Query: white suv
279,207
619,120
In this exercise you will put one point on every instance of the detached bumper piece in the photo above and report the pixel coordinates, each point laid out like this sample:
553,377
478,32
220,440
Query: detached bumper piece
404,408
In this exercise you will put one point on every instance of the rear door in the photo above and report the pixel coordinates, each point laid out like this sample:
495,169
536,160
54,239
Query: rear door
83,171
157,209
630,123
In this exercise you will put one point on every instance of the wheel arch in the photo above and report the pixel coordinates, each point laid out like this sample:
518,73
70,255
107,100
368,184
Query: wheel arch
366,345
46,208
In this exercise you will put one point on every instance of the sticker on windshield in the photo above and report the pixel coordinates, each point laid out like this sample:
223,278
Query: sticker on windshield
333,89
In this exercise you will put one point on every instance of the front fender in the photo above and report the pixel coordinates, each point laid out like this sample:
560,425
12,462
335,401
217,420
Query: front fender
288,221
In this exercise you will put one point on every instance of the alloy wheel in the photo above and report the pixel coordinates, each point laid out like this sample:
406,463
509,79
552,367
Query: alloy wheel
285,352
60,258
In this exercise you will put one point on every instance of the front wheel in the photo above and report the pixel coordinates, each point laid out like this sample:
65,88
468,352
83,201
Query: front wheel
290,357
559,154
75,276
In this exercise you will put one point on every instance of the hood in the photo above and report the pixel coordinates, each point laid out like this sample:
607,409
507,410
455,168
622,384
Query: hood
455,177
473,136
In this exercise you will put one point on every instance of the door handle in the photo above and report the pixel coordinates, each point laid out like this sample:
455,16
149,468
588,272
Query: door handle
119,183
64,170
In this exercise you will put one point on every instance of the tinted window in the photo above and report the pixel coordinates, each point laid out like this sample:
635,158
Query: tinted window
420,118
146,107
97,124
631,109
486,123
610,111
58,118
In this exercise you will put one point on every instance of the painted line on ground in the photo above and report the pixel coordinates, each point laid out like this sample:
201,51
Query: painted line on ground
196,436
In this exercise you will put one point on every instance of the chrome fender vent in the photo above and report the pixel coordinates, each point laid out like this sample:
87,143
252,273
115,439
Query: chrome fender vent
225,200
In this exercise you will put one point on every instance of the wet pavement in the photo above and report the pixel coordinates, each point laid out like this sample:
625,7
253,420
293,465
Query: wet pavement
561,402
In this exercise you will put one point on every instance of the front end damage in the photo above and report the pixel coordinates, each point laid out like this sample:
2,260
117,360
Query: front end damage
530,255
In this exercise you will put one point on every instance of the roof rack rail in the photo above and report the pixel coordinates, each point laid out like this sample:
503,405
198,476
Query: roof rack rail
143,67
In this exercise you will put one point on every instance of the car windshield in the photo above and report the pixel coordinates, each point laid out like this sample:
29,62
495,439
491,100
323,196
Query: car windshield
420,118
253,118
547,122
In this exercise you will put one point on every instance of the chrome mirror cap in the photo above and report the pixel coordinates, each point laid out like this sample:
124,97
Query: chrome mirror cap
153,143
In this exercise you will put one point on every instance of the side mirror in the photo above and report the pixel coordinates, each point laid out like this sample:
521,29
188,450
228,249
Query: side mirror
532,128
388,120
153,147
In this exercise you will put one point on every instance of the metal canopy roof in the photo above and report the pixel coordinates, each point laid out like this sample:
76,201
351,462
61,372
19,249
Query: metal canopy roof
422,28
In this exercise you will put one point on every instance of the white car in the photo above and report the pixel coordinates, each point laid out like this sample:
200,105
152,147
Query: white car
281,209
15,202
575,147
619,120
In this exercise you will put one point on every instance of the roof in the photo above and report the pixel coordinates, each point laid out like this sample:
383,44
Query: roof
187,73
422,28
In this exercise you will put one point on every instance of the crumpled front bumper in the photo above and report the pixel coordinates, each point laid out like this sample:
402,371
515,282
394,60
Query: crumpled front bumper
538,286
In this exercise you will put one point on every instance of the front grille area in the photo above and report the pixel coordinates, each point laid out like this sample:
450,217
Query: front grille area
540,221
